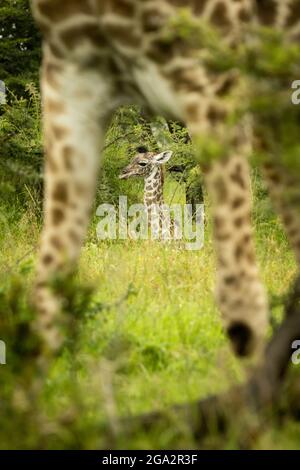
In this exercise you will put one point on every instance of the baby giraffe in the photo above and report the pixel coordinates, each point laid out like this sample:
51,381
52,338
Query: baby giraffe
149,165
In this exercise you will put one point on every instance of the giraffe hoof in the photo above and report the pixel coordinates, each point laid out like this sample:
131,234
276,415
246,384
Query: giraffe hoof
241,338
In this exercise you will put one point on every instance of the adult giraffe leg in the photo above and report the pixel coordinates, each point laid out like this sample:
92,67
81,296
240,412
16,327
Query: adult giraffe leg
284,189
76,107
240,294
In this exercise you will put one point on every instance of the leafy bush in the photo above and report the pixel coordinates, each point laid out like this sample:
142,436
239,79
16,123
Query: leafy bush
21,153
20,46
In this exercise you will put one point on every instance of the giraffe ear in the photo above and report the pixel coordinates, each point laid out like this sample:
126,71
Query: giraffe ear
163,157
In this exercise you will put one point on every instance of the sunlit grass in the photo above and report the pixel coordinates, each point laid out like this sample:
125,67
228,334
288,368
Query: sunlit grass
163,342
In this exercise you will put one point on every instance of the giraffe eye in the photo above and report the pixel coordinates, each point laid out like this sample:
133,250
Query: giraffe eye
142,163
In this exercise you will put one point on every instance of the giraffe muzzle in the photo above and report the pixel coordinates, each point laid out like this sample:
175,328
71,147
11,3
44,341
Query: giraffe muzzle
126,174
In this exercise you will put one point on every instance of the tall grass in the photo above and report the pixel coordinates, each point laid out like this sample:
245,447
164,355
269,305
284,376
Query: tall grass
153,335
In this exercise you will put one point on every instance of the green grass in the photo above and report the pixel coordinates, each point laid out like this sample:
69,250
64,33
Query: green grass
160,344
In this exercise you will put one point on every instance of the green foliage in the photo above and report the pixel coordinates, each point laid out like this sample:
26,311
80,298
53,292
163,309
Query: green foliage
128,131
20,50
21,155
149,336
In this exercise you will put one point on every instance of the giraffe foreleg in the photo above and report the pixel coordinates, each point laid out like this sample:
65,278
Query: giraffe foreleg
76,104
284,189
240,294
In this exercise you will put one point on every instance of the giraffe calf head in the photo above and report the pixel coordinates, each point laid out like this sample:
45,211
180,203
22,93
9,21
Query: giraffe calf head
144,162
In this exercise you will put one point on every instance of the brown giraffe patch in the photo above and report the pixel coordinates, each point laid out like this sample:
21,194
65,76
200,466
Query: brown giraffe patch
60,192
44,28
68,157
293,232
59,132
220,190
246,239
219,222
41,283
226,84
216,113
162,51
219,231
294,14
266,11
237,176
192,111
239,251
244,14
43,312
274,176
237,202
230,280
125,8
55,11
219,16
198,7
222,297
239,221
251,257
57,216
48,259
223,236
